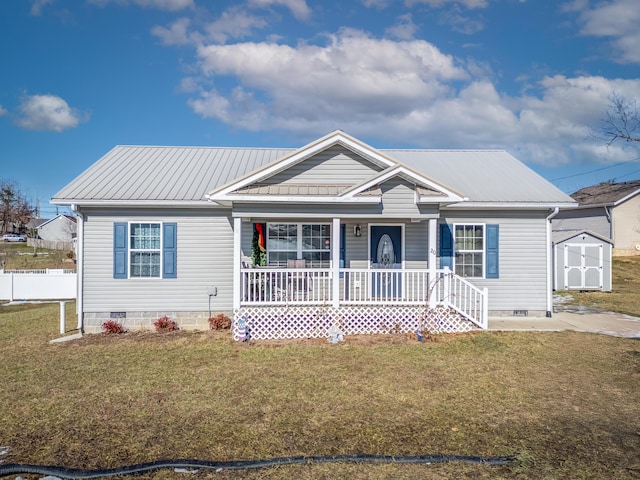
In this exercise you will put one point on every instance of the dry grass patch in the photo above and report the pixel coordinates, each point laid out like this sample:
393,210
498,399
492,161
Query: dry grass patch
625,297
566,403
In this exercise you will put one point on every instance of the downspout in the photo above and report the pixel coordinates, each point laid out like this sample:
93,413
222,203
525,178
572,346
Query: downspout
550,264
79,267
607,212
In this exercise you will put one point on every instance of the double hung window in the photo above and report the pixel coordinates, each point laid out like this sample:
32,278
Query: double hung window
293,241
145,250
469,250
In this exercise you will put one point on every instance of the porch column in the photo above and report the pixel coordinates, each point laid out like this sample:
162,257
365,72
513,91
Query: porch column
335,261
432,245
237,260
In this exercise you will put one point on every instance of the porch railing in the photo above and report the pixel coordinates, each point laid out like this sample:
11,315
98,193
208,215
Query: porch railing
304,286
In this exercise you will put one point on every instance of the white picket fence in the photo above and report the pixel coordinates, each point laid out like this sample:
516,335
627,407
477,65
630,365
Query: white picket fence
49,284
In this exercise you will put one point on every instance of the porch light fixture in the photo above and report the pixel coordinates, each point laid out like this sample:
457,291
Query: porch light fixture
357,232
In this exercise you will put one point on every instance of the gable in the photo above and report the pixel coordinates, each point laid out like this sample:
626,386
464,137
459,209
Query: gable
399,197
334,166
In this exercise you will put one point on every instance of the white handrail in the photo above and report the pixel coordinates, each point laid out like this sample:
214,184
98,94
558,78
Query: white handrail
314,286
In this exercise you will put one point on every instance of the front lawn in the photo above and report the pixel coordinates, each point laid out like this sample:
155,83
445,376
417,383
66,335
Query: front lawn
567,404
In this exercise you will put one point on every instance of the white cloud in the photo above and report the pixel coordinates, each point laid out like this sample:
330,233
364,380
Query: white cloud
439,3
176,34
298,8
379,4
352,73
3,111
618,19
38,5
401,91
461,23
171,5
233,23
404,28
47,112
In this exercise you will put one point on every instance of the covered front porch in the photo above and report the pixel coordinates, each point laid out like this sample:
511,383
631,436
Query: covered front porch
378,291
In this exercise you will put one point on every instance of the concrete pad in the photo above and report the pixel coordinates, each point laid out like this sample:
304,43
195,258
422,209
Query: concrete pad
605,323
75,336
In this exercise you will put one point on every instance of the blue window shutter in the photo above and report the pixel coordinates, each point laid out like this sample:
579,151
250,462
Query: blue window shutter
492,251
169,250
120,253
446,246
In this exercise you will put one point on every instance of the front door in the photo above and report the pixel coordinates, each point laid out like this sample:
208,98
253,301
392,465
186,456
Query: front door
386,260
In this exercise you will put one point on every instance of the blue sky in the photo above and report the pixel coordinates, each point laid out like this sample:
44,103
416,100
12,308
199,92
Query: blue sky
528,76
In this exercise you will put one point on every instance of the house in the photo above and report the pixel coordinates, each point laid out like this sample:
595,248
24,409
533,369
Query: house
296,242
609,209
61,228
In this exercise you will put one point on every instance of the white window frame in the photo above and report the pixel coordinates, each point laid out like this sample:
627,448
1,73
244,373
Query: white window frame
131,250
456,251
299,250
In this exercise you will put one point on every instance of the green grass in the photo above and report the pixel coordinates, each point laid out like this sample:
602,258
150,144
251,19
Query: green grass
625,295
567,404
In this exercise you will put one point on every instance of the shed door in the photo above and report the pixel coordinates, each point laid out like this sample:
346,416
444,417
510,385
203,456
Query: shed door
583,266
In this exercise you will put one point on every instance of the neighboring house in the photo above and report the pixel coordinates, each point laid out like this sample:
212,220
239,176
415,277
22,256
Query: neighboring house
611,210
349,237
61,228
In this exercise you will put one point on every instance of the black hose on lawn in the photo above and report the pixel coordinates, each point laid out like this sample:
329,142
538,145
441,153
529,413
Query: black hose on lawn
77,473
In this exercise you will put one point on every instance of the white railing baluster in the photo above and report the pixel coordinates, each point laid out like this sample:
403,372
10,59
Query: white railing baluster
311,286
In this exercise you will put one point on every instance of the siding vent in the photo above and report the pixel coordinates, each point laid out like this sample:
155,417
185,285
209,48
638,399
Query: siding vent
521,313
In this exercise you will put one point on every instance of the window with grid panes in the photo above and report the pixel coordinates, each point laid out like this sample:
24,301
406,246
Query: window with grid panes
469,250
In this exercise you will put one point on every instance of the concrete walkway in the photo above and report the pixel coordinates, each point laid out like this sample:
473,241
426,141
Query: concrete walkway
578,319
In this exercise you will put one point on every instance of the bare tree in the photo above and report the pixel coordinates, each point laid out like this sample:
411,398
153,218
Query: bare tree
621,121
14,209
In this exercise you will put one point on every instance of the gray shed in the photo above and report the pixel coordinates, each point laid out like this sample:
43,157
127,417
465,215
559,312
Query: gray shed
582,261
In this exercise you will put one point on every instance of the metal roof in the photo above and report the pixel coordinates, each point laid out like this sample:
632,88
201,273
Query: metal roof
156,174
492,176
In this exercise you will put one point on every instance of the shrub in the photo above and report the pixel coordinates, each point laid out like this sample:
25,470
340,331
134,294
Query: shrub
219,322
164,324
112,327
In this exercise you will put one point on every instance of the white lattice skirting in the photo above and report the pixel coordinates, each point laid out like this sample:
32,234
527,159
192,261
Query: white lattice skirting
264,323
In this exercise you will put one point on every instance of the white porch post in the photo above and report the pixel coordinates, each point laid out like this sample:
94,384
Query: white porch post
432,245
237,260
335,261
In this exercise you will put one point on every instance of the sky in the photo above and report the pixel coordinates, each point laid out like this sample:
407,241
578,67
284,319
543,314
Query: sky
532,77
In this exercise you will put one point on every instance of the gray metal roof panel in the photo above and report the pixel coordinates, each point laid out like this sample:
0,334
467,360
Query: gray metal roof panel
164,173
154,173
483,175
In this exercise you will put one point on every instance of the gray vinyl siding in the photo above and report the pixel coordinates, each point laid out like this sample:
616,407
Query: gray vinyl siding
398,198
416,238
523,280
592,219
626,225
334,166
204,259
